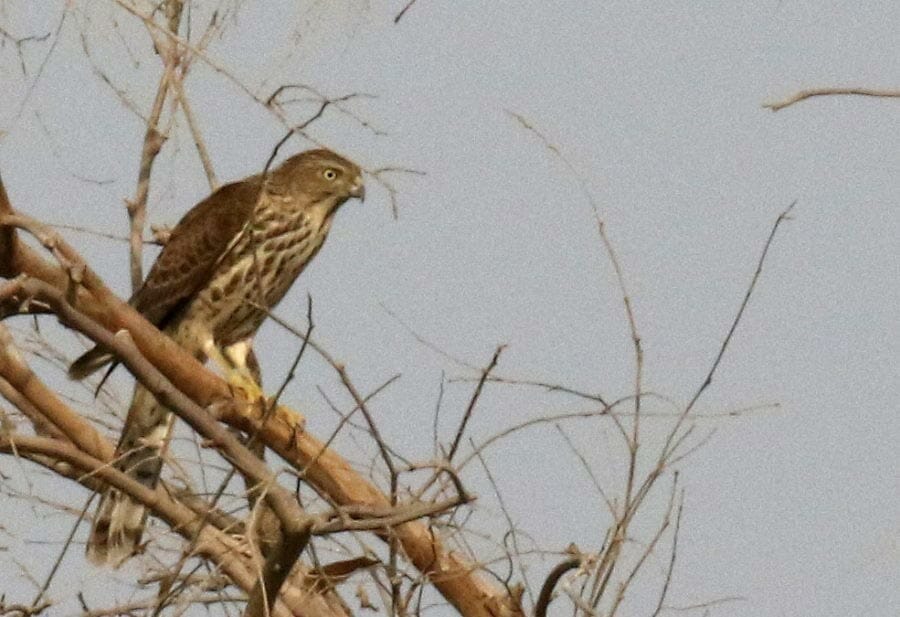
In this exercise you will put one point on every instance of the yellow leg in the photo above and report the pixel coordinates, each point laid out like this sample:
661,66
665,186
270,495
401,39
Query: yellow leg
234,367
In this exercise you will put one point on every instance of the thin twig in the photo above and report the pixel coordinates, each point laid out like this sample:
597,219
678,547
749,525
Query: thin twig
435,424
587,468
44,61
633,442
511,526
424,341
705,605
345,418
802,95
672,557
101,234
578,415
19,42
667,519
471,407
62,553
379,175
550,387
785,215
137,207
196,135
402,12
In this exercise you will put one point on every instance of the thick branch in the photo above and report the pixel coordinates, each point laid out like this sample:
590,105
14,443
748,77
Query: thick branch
43,407
328,472
190,519
225,551
295,524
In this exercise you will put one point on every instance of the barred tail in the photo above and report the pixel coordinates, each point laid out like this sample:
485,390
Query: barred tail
120,520
90,362
117,529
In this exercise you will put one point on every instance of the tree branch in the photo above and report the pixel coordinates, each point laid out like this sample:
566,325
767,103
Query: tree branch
802,95
330,474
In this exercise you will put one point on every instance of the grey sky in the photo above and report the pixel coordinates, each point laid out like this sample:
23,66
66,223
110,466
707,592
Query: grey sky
658,107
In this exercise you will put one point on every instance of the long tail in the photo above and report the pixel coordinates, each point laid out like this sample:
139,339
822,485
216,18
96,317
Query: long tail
90,362
117,529
119,521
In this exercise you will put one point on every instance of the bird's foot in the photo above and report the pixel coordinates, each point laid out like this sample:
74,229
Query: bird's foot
241,382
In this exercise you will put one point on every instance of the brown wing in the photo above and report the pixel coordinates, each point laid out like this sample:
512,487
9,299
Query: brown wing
189,258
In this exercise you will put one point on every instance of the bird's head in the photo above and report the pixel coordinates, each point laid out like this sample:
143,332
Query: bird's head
321,176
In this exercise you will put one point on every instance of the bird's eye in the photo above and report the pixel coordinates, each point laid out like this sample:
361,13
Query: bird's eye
329,174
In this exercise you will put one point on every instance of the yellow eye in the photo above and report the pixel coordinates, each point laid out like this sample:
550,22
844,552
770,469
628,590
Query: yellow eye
329,174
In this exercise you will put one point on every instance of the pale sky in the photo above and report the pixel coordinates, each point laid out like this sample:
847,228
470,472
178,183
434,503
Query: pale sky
658,108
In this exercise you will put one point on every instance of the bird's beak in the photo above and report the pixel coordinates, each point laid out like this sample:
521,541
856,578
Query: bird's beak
358,189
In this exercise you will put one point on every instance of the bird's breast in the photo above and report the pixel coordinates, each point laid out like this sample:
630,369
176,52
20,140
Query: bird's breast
262,265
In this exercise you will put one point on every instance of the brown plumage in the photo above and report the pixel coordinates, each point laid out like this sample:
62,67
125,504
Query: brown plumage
238,250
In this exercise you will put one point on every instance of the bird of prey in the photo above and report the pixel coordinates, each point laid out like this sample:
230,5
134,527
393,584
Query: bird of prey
229,261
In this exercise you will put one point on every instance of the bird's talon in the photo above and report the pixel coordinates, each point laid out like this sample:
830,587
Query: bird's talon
244,386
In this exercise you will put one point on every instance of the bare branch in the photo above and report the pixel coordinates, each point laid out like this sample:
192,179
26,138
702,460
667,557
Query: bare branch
402,12
154,139
44,61
194,128
331,475
784,216
587,468
366,519
471,407
379,175
546,595
802,95
212,542
295,524
672,556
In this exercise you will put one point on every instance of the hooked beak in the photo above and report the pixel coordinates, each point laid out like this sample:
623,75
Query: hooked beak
358,189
